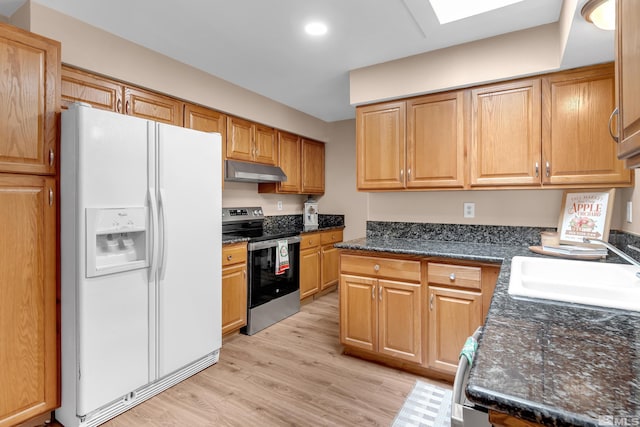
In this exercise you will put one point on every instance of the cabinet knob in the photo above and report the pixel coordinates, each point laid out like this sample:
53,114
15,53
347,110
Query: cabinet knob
452,276
376,267
229,257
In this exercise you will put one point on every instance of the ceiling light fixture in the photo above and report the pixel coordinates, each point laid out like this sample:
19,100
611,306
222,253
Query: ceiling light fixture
601,13
316,29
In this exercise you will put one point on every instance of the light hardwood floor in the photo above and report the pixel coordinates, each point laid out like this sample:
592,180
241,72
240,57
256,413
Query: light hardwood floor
290,374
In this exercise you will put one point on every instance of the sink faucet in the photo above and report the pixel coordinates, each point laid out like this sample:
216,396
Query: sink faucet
617,251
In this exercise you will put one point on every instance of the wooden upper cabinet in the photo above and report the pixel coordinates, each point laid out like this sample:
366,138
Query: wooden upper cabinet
577,147
205,119
28,281
289,155
152,106
239,139
628,84
265,145
29,101
312,167
250,142
505,134
381,146
435,141
99,92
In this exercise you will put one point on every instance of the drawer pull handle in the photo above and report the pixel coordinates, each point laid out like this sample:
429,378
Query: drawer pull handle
380,293
431,303
614,113
119,106
452,277
51,157
376,267
373,292
229,257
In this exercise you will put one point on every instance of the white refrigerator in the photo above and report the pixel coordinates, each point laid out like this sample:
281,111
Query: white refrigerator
141,260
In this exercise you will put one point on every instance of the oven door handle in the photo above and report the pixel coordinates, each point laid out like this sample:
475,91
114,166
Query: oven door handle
459,384
256,246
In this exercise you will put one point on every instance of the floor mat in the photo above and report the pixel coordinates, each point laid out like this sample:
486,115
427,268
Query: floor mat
426,406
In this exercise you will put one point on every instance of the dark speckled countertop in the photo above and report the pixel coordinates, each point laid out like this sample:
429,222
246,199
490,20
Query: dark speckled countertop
551,363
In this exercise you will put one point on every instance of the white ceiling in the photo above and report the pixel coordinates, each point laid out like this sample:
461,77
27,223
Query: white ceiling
261,45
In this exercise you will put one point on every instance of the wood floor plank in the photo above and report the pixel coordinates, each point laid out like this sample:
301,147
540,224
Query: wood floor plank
290,374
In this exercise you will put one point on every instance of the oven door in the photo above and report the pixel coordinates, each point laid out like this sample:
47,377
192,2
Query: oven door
264,284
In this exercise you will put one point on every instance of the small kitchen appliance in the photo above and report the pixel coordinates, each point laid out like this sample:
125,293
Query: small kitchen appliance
311,215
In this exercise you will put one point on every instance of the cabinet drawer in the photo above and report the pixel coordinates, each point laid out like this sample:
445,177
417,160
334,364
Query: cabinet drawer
398,269
309,240
332,236
454,275
234,254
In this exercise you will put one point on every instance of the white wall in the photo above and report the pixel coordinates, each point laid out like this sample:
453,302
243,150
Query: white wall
340,180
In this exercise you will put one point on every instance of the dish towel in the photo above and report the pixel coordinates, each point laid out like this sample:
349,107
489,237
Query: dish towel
282,257
469,349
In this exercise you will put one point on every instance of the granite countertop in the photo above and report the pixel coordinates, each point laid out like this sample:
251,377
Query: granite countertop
546,362
227,240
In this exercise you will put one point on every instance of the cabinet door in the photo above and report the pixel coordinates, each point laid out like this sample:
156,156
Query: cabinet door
206,120
29,101
435,141
381,146
265,145
505,134
28,350
289,155
330,261
399,324
577,147
453,316
152,106
312,167
358,312
234,298
628,70
309,272
239,139
99,92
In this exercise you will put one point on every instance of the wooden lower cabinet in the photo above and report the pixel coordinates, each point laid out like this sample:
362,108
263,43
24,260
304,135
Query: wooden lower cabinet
329,258
318,262
381,315
414,313
234,287
28,288
453,316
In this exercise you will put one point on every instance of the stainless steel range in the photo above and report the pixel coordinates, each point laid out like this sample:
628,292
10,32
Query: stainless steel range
272,294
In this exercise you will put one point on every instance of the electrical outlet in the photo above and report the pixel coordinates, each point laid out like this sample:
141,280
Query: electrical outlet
469,210
279,205
629,211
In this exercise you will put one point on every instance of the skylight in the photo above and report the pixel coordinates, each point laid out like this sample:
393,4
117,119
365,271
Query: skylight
454,10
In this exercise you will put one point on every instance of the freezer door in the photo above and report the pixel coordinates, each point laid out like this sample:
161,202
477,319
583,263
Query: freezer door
112,310
189,261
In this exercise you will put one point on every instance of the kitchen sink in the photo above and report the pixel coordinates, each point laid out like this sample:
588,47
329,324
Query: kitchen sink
583,282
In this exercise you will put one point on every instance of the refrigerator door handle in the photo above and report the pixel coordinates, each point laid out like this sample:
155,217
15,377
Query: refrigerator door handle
163,213
154,234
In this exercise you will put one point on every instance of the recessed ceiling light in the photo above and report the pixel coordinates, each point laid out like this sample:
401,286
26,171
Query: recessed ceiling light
316,28
454,10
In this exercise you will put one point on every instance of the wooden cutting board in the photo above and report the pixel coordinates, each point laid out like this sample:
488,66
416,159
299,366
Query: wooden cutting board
539,250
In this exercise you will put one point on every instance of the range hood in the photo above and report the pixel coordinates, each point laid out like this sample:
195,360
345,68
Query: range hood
252,172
